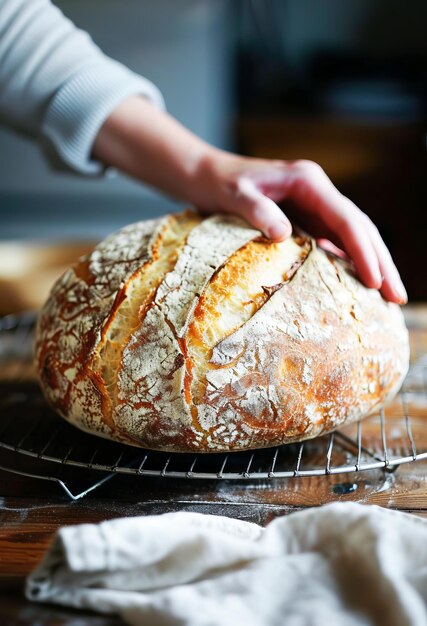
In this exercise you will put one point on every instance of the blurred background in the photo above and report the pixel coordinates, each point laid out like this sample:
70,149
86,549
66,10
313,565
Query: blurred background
341,83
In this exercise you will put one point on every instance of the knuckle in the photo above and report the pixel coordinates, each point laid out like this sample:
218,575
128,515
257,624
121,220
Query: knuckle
238,191
351,213
372,225
365,218
368,223
307,167
233,187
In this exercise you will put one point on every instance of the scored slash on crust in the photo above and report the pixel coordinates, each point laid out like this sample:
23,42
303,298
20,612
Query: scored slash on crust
185,333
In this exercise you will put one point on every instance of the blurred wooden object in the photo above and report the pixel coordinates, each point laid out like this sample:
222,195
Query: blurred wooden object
28,271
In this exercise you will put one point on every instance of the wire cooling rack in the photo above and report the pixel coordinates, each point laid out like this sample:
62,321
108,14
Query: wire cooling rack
30,428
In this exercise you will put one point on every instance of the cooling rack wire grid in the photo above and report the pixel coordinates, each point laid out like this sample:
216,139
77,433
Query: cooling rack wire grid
28,427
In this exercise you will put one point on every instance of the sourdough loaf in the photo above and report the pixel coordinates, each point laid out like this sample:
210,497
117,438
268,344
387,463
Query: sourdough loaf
192,334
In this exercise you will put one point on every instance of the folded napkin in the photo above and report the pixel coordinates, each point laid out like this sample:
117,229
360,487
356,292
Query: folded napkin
342,564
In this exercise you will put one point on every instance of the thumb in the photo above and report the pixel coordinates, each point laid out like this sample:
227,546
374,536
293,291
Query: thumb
261,212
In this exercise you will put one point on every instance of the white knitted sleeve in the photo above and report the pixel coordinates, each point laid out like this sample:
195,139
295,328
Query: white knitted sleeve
55,83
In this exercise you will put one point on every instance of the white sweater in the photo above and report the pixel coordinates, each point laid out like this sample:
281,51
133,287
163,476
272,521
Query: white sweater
56,85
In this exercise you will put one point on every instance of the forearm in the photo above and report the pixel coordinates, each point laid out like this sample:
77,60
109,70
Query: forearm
153,147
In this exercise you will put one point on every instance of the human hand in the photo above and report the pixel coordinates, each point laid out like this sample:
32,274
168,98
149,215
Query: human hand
252,187
151,146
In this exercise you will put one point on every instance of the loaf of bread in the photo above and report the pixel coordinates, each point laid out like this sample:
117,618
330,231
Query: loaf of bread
197,334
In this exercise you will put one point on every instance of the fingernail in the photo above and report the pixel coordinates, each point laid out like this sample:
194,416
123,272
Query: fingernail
400,292
279,230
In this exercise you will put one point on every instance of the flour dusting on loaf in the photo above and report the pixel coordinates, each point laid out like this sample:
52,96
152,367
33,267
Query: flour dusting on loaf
197,334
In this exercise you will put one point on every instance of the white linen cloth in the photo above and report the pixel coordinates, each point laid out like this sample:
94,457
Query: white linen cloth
342,564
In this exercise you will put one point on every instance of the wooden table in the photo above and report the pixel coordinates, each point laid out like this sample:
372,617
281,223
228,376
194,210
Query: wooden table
31,511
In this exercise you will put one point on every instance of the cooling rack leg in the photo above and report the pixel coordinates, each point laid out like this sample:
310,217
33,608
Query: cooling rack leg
60,482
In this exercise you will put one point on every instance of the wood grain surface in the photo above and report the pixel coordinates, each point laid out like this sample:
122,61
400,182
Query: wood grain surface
32,510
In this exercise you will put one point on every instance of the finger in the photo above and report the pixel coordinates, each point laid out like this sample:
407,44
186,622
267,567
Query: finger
260,211
315,193
326,244
352,235
392,287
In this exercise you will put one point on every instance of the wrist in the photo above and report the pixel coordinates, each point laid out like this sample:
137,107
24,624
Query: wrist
151,146
210,183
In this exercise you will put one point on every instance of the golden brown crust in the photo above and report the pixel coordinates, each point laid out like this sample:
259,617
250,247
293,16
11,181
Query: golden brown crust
187,334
